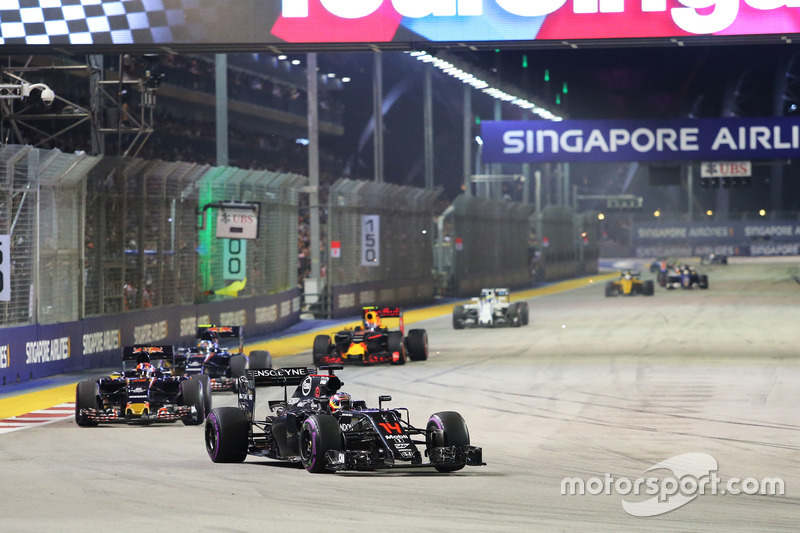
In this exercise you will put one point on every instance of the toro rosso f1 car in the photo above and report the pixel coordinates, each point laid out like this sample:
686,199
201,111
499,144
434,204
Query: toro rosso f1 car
491,309
629,284
145,391
219,354
321,428
372,341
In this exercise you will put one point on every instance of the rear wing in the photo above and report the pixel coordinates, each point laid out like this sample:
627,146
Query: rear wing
147,352
224,333
267,377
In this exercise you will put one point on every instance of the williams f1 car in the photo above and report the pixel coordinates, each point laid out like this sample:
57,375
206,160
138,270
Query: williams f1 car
629,284
321,428
145,391
219,354
491,309
372,341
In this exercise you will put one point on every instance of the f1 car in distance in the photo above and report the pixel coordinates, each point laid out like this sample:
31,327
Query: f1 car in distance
372,341
685,277
491,309
322,428
219,354
145,391
629,284
714,259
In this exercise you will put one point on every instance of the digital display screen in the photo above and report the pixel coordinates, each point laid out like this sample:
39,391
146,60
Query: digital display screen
215,23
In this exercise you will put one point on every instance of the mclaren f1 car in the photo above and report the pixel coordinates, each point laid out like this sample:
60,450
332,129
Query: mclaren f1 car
323,429
145,391
372,341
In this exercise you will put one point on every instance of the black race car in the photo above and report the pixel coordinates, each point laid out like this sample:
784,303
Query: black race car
324,430
372,341
219,354
145,391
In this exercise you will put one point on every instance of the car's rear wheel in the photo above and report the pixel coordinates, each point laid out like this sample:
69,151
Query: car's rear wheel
395,344
238,365
85,398
318,435
513,314
446,428
458,317
523,307
703,282
322,346
260,359
226,435
649,288
192,396
417,344
611,289
205,380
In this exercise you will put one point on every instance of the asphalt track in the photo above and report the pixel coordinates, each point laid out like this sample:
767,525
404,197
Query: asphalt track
594,387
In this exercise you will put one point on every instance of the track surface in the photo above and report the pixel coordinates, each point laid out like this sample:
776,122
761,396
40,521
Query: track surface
592,386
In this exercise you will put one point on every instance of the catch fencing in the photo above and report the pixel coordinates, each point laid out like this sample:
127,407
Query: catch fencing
383,237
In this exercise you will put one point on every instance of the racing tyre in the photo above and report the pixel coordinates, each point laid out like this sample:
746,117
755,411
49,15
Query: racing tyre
85,398
238,365
226,435
192,396
703,284
322,346
319,434
611,289
514,315
206,382
446,428
458,317
523,307
648,289
260,359
417,340
394,343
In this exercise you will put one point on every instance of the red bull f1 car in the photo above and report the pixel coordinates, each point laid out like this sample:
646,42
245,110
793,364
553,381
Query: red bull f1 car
219,354
323,429
145,391
372,341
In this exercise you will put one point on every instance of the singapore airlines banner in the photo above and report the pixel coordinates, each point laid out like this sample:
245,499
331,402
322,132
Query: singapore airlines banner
640,140
213,24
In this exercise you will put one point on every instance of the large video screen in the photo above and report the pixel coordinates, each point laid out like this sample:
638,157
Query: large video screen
221,23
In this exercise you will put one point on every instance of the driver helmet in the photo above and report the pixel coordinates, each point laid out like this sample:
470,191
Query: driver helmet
340,400
207,346
371,321
145,370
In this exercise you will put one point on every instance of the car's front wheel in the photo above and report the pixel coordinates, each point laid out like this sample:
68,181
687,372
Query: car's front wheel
318,435
446,428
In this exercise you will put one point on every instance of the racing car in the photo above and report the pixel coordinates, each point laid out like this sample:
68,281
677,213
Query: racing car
372,341
629,284
145,391
491,309
323,429
219,354
685,277
714,259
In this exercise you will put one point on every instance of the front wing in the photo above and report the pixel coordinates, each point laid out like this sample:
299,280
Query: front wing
444,456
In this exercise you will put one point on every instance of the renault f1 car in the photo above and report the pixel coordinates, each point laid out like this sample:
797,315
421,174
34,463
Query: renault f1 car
491,309
321,428
629,284
219,354
145,391
372,341
685,277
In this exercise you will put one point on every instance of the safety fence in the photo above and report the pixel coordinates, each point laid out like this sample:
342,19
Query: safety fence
381,245
89,236
488,243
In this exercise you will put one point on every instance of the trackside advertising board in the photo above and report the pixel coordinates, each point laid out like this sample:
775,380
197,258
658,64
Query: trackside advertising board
219,23
640,140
